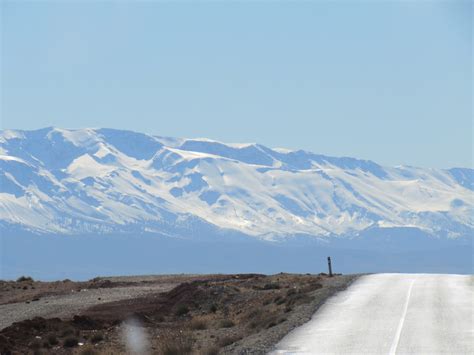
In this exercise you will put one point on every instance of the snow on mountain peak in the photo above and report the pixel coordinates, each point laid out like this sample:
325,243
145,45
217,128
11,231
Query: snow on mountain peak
103,180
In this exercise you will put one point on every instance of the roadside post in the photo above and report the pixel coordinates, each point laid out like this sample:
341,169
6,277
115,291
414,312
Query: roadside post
329,266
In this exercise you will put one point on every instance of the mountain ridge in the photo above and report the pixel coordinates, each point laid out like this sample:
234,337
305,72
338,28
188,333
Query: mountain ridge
105,181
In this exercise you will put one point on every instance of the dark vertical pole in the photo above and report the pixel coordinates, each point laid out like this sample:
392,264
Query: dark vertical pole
329,266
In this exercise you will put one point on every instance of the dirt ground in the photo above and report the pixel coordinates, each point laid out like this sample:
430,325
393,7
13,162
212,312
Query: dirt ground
171,314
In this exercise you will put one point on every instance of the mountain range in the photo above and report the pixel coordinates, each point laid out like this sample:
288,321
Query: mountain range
106,181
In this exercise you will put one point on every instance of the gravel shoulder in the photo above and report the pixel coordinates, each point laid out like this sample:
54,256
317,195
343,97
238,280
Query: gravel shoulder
265,341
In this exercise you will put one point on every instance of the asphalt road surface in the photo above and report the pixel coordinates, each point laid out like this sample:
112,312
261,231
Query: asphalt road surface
392,314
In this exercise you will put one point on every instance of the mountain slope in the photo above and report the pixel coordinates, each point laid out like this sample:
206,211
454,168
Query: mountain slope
103,180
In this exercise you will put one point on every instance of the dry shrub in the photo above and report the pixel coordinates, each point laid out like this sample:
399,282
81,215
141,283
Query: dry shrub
298,299
181,310
24,279
67,332
271,286
175,342
226,323
261,320
279,300
311,286
70,342
97,338
53,340
198,324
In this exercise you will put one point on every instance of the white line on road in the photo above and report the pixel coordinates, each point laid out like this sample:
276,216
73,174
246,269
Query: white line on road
393,348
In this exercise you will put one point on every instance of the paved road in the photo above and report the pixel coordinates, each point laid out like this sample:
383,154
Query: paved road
392,314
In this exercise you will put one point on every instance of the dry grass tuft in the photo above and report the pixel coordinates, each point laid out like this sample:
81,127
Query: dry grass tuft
175,342
198,324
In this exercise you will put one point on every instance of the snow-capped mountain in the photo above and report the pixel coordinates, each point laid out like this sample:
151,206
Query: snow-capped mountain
64,181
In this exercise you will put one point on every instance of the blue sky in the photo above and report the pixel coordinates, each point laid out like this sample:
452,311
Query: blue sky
388,81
